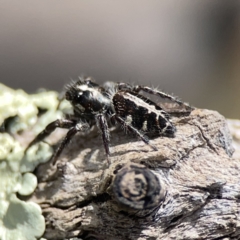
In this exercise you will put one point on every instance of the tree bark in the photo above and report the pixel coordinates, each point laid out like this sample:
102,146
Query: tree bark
191,185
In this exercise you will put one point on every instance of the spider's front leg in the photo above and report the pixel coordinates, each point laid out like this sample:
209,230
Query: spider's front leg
59,123
103,126
79,127
161,94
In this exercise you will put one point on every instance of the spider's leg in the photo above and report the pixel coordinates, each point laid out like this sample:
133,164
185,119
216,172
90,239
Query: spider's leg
61,123
103,126
161,94
63,144
80,127
124,86
129,127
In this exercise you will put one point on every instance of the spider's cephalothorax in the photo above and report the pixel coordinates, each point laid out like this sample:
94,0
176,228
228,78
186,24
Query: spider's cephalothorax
121,102
88,98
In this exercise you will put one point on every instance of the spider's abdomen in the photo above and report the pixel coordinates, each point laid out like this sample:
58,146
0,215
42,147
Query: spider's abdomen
142,113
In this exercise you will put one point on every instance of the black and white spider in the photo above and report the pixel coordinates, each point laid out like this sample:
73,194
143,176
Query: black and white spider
116,102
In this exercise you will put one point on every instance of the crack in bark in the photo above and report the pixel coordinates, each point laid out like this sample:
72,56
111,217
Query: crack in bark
207,141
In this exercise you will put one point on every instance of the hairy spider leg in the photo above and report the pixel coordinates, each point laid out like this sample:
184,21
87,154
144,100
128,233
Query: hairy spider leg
79,127
129,127
63,144
59,123
124,86
149,90
103,126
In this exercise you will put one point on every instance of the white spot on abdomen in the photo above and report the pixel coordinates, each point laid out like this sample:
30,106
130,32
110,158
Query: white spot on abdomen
129,119
144,126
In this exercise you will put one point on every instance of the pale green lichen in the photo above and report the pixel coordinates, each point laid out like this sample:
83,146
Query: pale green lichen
28,184
18,219
17,103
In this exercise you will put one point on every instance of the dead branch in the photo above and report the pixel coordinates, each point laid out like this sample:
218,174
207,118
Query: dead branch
193,188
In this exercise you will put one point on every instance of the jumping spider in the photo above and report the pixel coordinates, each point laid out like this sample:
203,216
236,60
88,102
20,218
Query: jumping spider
116,102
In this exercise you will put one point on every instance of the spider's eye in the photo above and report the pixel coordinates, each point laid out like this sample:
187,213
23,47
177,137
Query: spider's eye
79,96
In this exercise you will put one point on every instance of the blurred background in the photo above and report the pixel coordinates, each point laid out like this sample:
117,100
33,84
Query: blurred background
189,48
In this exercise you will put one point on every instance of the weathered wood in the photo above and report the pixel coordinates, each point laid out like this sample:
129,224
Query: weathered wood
198,172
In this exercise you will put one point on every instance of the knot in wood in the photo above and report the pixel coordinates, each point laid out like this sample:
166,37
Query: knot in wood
136,187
